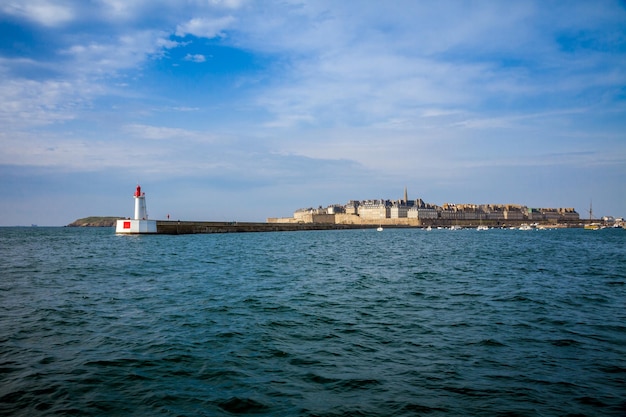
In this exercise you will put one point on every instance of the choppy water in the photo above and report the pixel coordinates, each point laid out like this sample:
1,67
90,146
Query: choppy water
327,323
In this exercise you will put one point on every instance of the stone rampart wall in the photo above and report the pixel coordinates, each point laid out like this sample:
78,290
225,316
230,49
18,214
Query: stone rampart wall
283,220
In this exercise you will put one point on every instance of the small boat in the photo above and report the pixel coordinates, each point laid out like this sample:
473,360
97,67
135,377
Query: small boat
592,226
379,229
429,228
481,227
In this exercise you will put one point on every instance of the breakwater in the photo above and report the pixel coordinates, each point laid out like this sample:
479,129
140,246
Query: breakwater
169,227
177,227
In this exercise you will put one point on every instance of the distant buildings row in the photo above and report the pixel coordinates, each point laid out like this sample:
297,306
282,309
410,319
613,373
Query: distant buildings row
418,212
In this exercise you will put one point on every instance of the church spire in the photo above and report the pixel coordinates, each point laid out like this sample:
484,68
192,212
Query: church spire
406,196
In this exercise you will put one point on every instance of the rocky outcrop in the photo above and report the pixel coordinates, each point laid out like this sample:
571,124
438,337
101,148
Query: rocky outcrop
95,222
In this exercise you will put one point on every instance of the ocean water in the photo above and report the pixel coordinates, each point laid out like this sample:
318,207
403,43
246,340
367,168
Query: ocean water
402,322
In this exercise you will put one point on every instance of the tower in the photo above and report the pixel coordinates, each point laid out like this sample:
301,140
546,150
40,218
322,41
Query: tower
140,205
406,196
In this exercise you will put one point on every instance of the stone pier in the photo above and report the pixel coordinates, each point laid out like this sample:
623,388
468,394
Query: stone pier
174,227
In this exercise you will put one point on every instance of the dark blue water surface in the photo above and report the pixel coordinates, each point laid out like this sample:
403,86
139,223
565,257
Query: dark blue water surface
324,323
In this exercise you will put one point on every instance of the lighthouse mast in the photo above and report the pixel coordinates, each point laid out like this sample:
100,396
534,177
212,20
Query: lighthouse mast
140,205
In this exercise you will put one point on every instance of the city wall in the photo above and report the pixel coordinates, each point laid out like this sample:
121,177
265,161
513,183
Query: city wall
356,220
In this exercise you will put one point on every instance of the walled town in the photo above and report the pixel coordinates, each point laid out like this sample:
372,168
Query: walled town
405,212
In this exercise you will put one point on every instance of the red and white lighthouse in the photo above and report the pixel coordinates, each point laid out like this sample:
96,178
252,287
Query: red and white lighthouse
139,223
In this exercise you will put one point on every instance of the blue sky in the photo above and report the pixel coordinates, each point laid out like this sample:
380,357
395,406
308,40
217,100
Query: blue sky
243,110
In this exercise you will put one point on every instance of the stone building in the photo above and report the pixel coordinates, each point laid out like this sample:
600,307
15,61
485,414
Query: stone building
398,211
374,210
422,213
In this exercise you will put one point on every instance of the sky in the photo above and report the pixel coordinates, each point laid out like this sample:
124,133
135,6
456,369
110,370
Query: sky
243,110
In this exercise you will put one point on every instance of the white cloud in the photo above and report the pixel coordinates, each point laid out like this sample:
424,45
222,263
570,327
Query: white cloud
229,4
79,78
30,103
289,120
195,58
162,133
153,149
70,154
204,27
162,42
123,52
123,9
47,13
185,109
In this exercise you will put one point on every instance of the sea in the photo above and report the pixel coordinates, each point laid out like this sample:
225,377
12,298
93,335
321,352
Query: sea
403,322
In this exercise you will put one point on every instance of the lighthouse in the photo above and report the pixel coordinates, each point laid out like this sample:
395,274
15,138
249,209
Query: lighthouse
140,223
